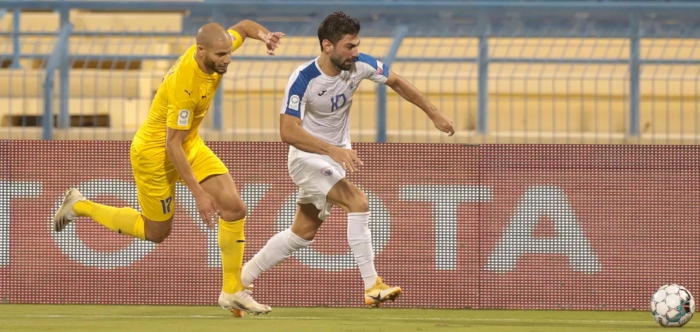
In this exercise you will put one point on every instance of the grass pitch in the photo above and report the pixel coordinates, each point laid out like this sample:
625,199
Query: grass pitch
179,318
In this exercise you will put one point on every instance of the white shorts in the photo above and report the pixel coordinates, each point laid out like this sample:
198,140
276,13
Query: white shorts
315,175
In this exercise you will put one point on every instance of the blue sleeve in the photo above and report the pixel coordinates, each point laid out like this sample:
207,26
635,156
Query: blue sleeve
379,67
293,103
295,94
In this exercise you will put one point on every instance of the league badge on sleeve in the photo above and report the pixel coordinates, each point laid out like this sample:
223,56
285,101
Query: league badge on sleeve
294,102
184,118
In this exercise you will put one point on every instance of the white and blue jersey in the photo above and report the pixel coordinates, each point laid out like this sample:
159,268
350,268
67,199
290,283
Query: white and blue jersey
323,102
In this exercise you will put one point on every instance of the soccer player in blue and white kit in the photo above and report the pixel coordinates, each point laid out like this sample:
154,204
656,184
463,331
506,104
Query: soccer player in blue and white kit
315,122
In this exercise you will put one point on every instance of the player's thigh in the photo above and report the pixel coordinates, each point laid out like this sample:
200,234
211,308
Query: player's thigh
315,176
224,191
155,187
216,180
348,196
306,221
324,177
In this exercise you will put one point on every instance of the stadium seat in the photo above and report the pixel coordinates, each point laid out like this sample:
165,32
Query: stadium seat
112,78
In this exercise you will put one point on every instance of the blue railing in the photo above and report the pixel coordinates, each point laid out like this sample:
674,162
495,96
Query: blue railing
56,60
483,21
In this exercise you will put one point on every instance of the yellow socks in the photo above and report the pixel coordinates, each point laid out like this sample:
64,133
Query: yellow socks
231,240
231,236
121,220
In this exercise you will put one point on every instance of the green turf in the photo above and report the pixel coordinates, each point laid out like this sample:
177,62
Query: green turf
176,318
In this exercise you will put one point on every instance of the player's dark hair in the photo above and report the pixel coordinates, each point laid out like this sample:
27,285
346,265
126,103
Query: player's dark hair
335,26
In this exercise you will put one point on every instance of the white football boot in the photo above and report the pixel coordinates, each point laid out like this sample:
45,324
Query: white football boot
242,302
65,214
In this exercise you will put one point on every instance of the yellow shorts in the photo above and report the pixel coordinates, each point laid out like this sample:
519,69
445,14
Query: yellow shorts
155,181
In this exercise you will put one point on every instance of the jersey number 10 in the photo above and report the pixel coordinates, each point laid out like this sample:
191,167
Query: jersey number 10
338,102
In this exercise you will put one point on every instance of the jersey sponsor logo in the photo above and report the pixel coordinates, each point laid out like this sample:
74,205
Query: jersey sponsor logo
294,102
183,118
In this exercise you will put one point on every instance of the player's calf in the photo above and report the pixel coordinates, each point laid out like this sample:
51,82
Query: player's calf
123,220
230,234
284,243
275,251
354,201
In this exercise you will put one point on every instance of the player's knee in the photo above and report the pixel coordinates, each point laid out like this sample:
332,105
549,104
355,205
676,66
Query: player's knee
160,236
158,231
363,204
233,210
359,203
306,222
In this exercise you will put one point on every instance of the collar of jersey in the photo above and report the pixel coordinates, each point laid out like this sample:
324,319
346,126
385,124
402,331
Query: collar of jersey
324,74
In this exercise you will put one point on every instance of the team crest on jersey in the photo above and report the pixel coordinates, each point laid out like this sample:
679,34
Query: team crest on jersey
351,84
327,171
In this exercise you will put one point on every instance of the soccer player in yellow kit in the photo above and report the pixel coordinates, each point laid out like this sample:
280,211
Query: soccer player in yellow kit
167,148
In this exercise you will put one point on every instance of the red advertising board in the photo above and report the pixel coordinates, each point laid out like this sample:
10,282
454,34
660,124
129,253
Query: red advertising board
490,226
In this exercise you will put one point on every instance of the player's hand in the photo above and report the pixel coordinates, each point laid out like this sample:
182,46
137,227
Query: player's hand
272,41
347,159
208,210
443,123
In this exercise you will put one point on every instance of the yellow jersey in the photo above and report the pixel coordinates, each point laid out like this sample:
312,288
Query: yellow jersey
181,102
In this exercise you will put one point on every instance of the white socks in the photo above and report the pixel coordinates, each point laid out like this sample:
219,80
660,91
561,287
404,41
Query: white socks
284,243
360,241
277,249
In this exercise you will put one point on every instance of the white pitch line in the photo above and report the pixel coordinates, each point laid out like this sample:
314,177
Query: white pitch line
431,319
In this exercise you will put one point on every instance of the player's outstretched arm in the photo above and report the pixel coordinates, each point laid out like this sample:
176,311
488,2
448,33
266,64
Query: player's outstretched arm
410,93
294,134
252,29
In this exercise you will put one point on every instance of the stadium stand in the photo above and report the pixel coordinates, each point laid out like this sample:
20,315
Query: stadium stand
552,92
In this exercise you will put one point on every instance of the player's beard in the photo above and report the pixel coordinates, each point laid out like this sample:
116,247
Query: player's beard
213,67
340,64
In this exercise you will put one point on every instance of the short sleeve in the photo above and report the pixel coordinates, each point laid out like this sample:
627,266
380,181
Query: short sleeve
293,95
236,39
180,108
372,69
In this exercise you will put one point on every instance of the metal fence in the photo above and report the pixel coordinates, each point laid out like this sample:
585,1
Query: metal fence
505,72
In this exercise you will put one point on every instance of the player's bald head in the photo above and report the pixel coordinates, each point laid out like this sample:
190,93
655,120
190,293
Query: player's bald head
212,33
214,47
